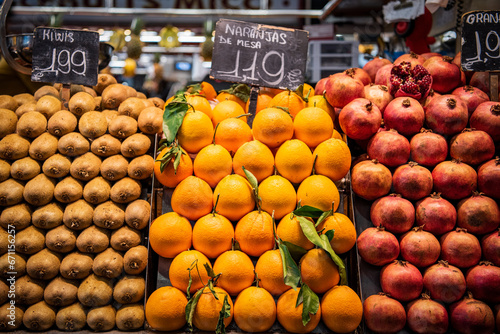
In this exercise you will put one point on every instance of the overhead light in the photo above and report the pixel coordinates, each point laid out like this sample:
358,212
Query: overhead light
192,39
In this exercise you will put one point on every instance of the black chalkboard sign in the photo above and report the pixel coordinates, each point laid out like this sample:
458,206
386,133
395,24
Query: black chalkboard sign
258,54
65,56
481,41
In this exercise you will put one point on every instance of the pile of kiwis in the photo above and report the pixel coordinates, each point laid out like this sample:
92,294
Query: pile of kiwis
73,202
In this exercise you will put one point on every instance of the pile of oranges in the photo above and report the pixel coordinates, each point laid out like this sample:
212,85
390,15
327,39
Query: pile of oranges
222,232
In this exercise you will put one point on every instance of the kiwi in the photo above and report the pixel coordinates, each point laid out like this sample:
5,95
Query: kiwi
131,91
48,216
98,101
114,168
122,126
73,144
90,90
4,292
103,81
135,145
27,107
110,114
129,289
25,169
31,124
39,190
11,192
14,147
130,317
8,102
85,167
9,122
109,215
95,291
71,318
93,239
141,168
12,264
61,292
106,146
108,264
31,240
39,317
97,190
43,147
141,95
76,265
68,190
61,239
23,98
17,216
56,166
150,120
80,103
4,170
93,124
46,90
4,247
135,260
158,102
44,264
131,107
29,291
125,190
78,215
125,238
113,95
48,105
102,319
61,123
11,317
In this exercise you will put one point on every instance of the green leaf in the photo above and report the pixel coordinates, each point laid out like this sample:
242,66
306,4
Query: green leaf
173,115
308,211
251,178
329,234
309,301
191,306
295,251
323,216
209,270
291,272
194,265
224,313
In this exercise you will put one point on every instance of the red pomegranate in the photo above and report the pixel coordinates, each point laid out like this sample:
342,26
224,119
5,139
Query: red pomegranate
481,80
413,58
488,178
497,317
478,214
360,119
428,55
435,214
360,74
383,314
419,247
460,248
432,94
428,148
349,87
393,212
412,181
371,179
379,95
472,147
471,316
445,75
319,88
389,148
425,315
446,114
472,96
444,282
486,117
373,66
405,115
377,246
383,75
411,81
402,280
454,179
490,245
483,281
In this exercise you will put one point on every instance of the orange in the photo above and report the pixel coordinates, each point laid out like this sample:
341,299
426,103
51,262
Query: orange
270,91
231,133
206,313
227,109
254,233
254,310
294,160
212,163
195,132
308,90
165,309
320,192
290,317
289,230
170,234
312,125
263,101
290,100
236,269
319,101
269,269
337,135
333,159
225,96
278,195
341,309
272,126
236,197
344,236
213,235
256,158
170,177
208,90
318,270
178,272
192,198
200,103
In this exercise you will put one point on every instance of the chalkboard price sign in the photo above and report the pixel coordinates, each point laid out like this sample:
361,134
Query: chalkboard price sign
481,41
260,55
65,56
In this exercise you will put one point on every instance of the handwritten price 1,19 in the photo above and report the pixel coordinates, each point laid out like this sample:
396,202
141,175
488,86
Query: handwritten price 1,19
64,61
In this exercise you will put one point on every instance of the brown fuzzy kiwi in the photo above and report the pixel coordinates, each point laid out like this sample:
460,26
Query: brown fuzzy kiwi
27,107
141,95
113,95
102,319
97,190
39,190
90,90
4,170
76,265
110,114
71,318
135,145
9,122
93,124
131,107
125,238
131,91
72,90
56,166
31,240
158,102
129,289
12,264
61,292
141,168
85,167
109,215
81,103
78,215
31,124
61,239
48,216
130,317
17,216
93,239
4,292
11,192
68,190
122,126
73,144
29,291
125,190
48,105
23,98
25,169
43,147
114,168
98,102
150,120
108,264
95,291
103,81
4,247
45,90
135,260
44,264
11,317
14,147
61,123
39,317
8,102
106,146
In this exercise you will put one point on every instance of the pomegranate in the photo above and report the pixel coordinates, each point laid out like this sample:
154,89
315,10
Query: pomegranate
490,245
444,282
425,316
472,147
409,80
412,181
446,114
488,178
383,75
432,94
405,115
486,117
379,95
435,214
413,58
428,55
377,246
372,66
472,96
483,281
350,87
402,280
478,214
460,248
371,179
360,119
383,314
428,148
360,74
445,74
497,317
471,316
419,247
389,148
457,60
481,80
319,88
393,212
454,179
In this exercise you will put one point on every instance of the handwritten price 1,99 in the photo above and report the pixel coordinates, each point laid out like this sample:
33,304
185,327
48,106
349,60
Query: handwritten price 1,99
494,46
65,62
